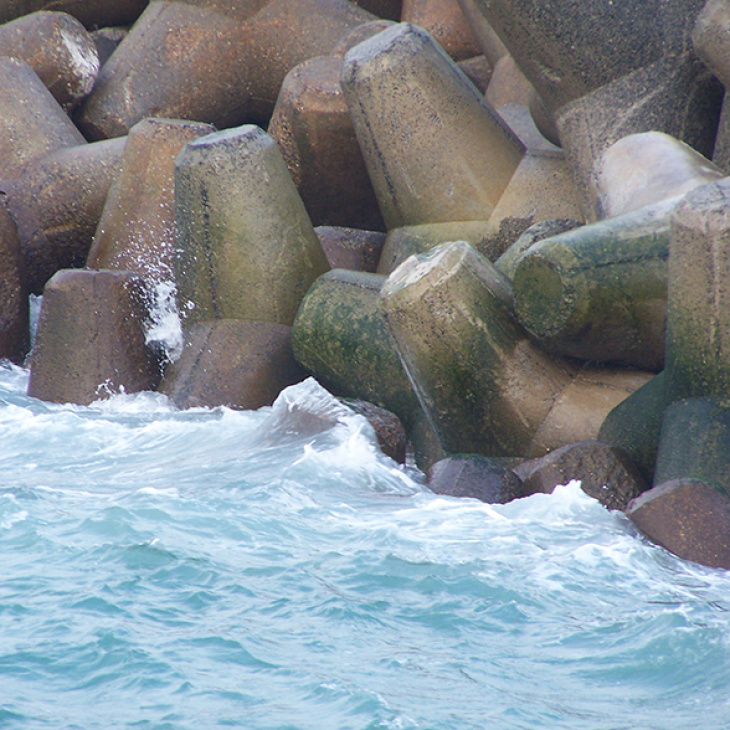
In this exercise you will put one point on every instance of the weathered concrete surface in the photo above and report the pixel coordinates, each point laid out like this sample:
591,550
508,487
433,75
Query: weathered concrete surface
635,423
698,311
136,231
246,247
387,426
434,150
351,248
57,204
606,473
58,48
214,61
643,169
13,292
401,243
486,388
446,22
312,126
688,517
32,122
695,442
475,476
599,292
234,363
91,338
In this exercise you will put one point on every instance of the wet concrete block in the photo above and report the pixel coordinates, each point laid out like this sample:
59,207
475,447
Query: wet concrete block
233,363
694,442
688,517
387,426
91,338
606,473
13,292
475,476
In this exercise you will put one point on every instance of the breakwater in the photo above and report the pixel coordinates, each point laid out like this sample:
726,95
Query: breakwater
499,228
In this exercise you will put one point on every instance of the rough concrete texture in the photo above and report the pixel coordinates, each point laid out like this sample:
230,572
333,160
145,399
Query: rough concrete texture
215,61
234,363
401,243
58,48
475,476
91,338
606,473
694,442
340,336
583,405
599,292
643,169
13,292
57,204
698,310
92,13
351,248
711,38
136,231
246,247
508,261
359,34
446,22
32,122
688,517
434,150
485,387
478,70
591,124
312,126
635,423
541,188
488,41
569,49
508,84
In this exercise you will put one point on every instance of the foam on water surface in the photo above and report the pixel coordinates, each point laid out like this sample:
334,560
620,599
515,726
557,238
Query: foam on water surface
272,569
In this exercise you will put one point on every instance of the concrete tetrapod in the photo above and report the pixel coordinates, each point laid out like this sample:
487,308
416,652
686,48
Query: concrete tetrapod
698,310
599,292
592,64
136,231
340,336
485,387
246,247
91,338
212,60
32,122
435,151
13,292
58,48
312,126
57,204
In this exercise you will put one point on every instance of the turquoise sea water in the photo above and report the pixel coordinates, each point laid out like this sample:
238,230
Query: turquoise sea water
271,569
